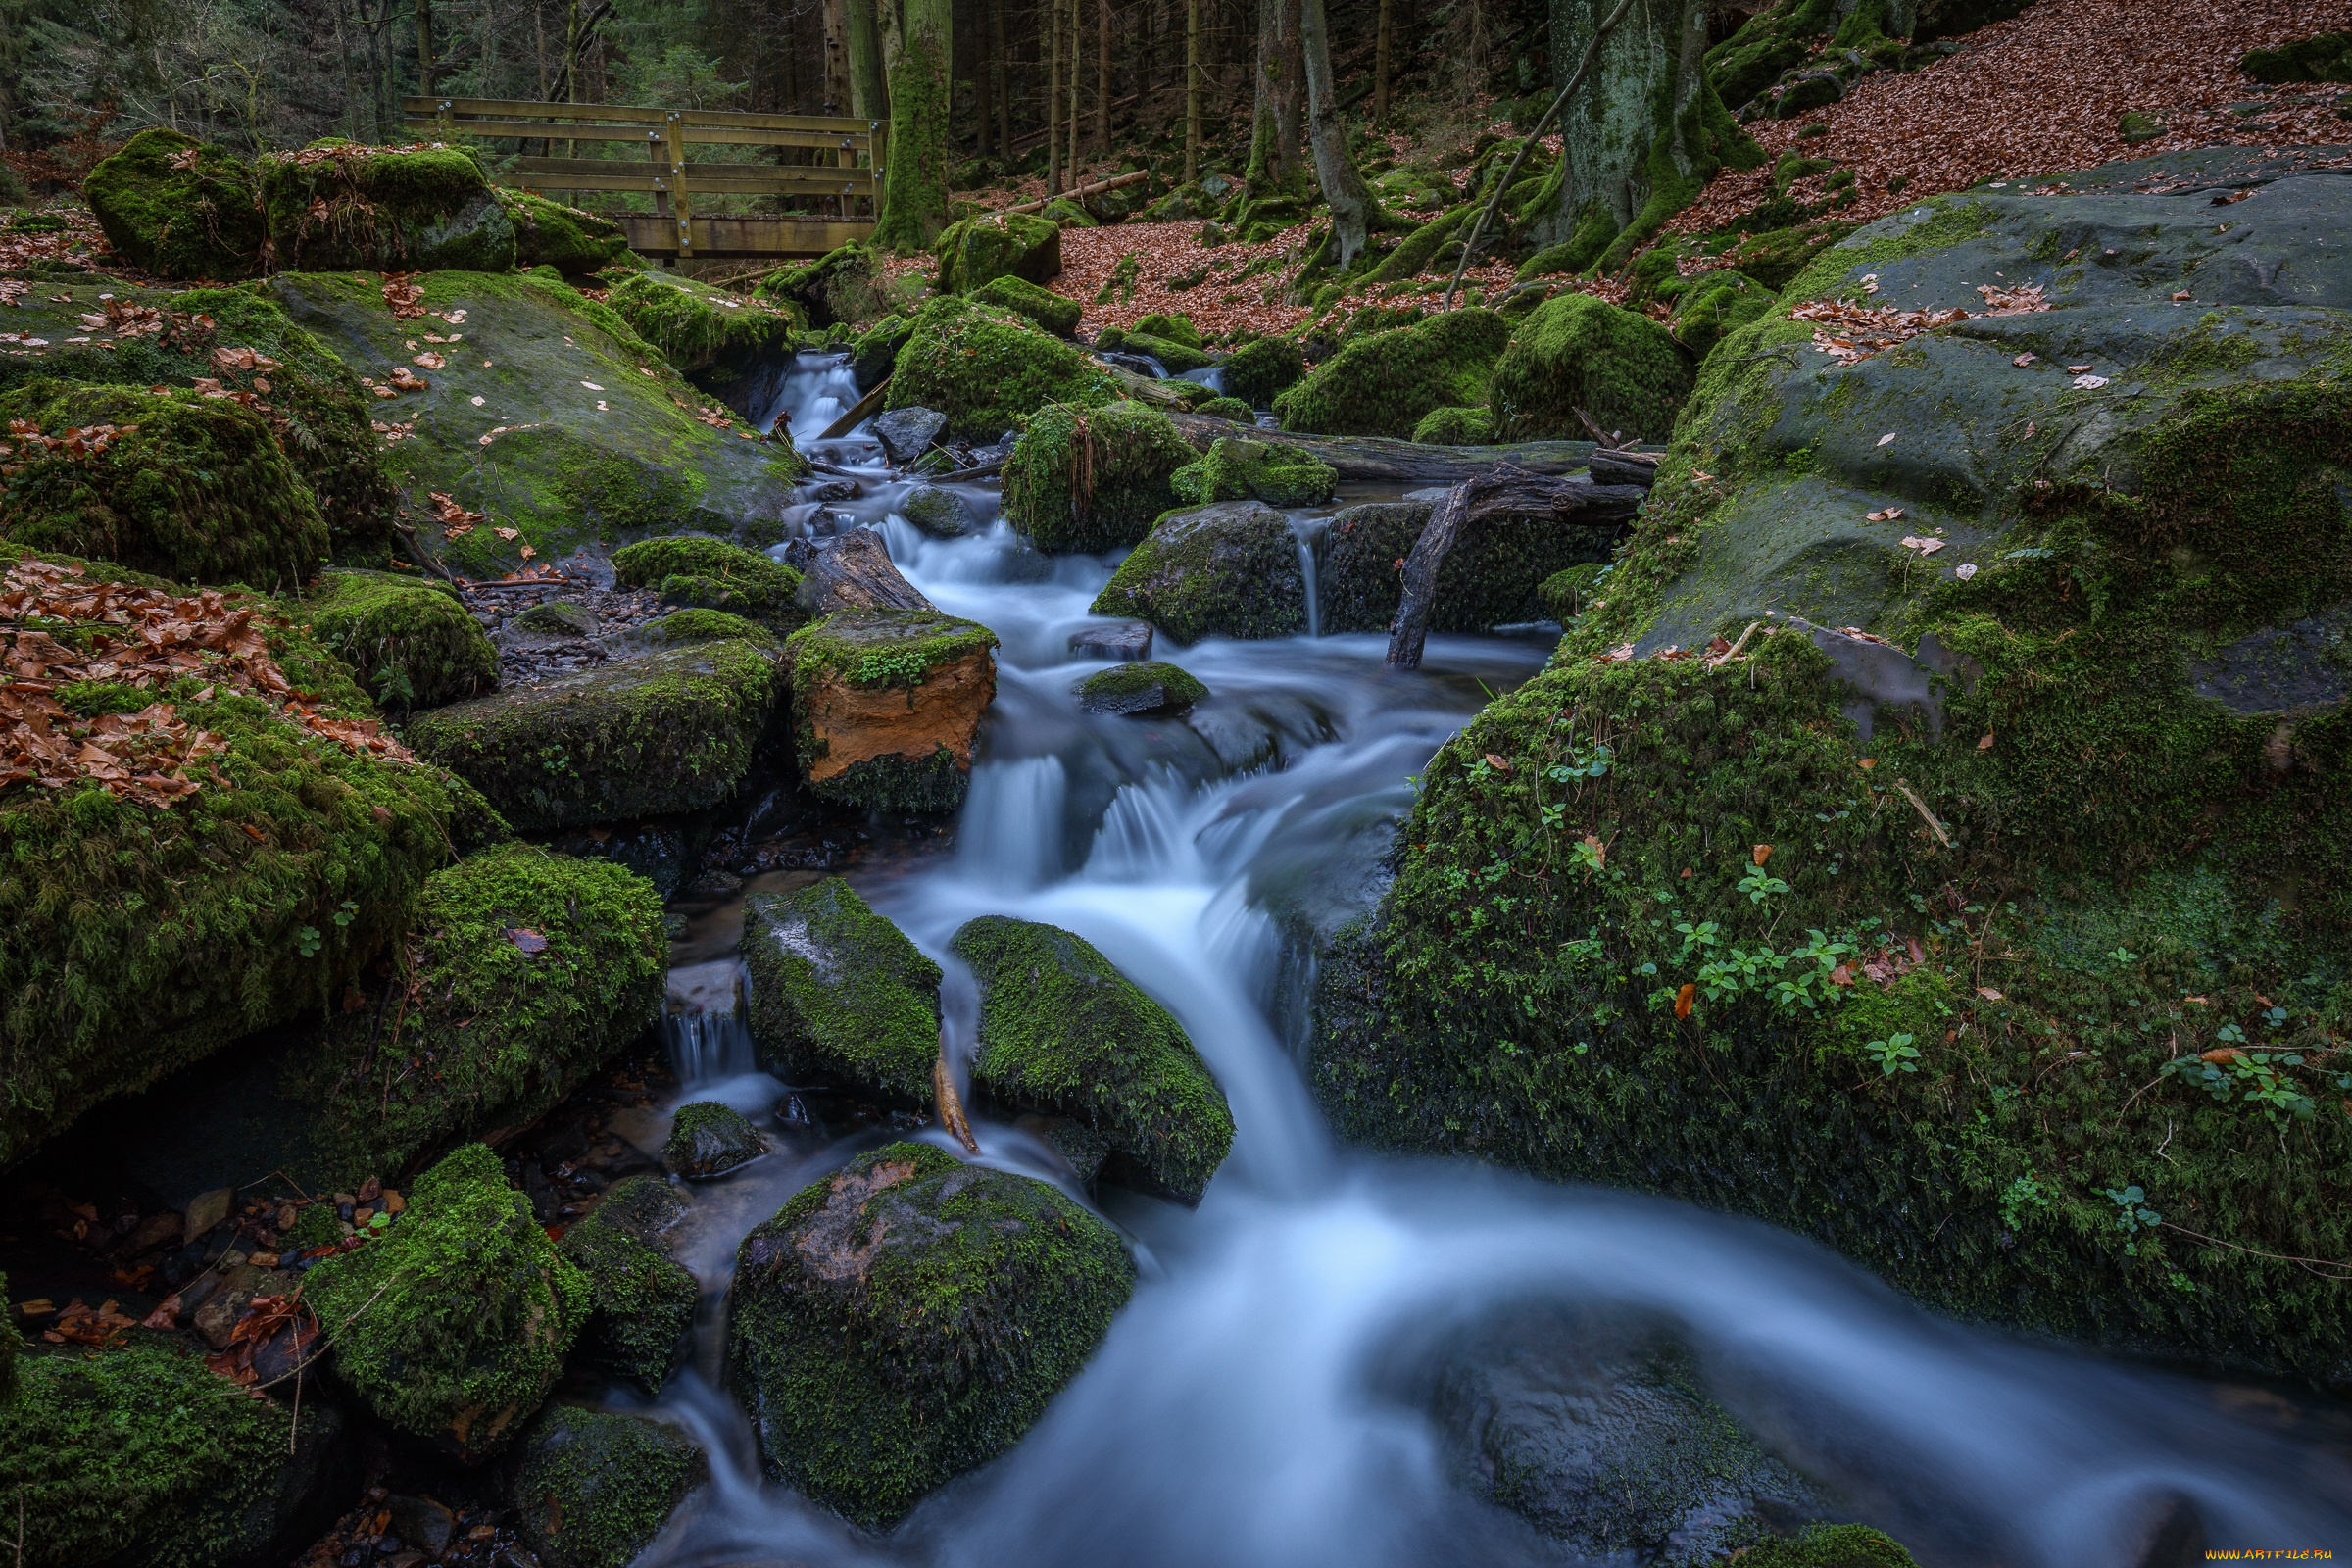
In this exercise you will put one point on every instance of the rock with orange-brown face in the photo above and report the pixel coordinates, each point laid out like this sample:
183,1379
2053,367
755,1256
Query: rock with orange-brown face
886,707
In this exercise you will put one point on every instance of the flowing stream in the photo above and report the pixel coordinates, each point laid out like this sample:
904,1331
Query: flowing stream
1262,1403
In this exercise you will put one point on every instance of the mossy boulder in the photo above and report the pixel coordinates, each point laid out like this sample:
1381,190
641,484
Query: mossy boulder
1171,328
558,617
1260,369
989,370
548,234
1062,1032
875,353
2101,732
1238,470
1092,479
586,435
640,1299
1575,352
523,972
978,250
2324,57
940,513
839,996
1382,383
673,730
142,937
1713,306
342,204
143,1454
1049,310
682,626
593,1488
1455,427
1233,408
844,286
1174,357
886,707
1147,686
749,583
412,642
1493,576
452,1325
709,1140
1826,1545
1068,213
179,208
186,487
702,330
907,1319
1230,569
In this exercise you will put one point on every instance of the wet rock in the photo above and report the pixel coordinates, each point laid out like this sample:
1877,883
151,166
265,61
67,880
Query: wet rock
1826,1546
853,571
206,1210
863,1394
941,514
591,1489
1225,570
468,1312
666,732
1234,469
661,852
1127,640
887,704
412,643
708,1140
1085,1150
1062,1032
839,996
2302,668
1575,352
558,617
1492,577
906,433
1085,478
876,352
976,250
217,1317
1151,687
640,1299
421,1522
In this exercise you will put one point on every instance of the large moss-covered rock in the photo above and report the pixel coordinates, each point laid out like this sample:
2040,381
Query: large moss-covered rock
236,342
2103,735
548,234
141,937
1493,576
1084,479
1455,427
988,370
593,1488
746,583
412,642
1259,370
907,1319
839,994
1235,469
640,1299
1064,1032
1055,313
1382,383
339,205
179,208
702,329
1225,570
846,286
524,970
586,435
978,250
143,1454
183,486
671,730
1576,351
886,705
1175,357
452,1324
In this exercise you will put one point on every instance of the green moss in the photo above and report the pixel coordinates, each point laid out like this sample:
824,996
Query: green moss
551,235
139,1454
1455,427
1064,1032
682,626
1092,480
1415,253
1068,213
594,1487
1171,328
1575,352
197,491
1259,370
1141,686
839,994
1384,383
1830,1547
507,1031
875,353
2324,57
1228,569
1233,408
1047,309
707,1139
977,250
1714,306
754,585
844,286
699,328
641,1300
1234,469
1175,358
669,731
203,220
988,370
10,1347
909,1319
410,642
383,210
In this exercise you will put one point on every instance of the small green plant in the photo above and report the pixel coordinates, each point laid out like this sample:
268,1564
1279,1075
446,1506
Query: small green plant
2023,1194
1760,885
307,940
1894,1054
2132,1215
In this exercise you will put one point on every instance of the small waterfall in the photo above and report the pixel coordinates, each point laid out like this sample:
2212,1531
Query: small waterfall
1212,376
1011,830
703,1024
815,391
1309,531
1147,834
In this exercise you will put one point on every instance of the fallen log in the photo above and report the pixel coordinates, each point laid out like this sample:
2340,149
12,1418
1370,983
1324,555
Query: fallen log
859,413
1384,460
1502,491
1094,189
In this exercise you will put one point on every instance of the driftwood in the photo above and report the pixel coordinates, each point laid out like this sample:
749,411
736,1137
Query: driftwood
1095,189
1504,490
1617,466
1377,458
865,405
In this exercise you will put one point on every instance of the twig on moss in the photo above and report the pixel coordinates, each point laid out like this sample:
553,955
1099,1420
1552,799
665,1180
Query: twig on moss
1934,827
2310,1265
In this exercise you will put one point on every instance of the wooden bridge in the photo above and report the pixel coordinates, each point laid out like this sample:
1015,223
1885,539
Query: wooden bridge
848,166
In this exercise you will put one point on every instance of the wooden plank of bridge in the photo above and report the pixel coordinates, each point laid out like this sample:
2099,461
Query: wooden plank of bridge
723,238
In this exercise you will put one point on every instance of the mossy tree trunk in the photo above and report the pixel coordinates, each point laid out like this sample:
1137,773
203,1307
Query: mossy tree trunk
918,51
1642,136
1350,201
868,98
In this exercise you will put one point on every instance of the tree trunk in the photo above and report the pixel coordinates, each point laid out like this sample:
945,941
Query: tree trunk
1380,63
836,16
918,52
1290,99
1000,66
1192,90
1053,22
424,47
1077,70
869,99
1327,131
1102,75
